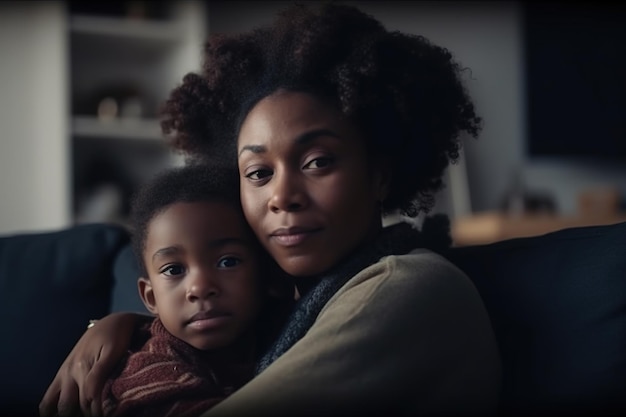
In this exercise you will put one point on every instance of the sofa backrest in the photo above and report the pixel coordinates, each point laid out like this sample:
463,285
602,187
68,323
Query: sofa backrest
558,307
125,293
51,285
557,303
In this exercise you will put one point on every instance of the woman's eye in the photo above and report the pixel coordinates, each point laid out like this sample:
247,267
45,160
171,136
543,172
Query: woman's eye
228,262
173,270
259,174
321,162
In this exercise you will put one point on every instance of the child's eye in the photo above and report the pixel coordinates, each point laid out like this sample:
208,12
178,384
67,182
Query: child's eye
172,270
228,262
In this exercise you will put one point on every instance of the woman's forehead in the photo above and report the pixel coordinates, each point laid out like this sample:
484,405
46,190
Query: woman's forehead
290,115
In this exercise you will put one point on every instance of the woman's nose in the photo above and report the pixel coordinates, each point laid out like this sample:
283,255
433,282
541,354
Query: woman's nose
202,285
288,193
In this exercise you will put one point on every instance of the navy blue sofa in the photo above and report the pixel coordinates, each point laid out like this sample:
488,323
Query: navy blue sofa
557,303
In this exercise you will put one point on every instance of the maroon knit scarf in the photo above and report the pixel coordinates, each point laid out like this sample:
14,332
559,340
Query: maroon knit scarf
168,377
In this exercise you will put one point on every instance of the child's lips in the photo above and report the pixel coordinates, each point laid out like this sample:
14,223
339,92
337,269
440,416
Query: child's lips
209,319
208,314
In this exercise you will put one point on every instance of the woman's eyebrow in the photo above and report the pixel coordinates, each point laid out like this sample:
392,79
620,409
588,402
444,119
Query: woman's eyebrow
253,148
302,139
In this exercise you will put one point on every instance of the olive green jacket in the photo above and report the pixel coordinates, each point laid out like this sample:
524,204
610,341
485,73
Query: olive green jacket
407,335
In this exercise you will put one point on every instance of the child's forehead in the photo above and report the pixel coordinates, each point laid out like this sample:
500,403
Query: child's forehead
199,220
209,205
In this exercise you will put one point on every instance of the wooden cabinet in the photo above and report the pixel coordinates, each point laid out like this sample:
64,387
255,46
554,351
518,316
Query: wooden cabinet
489,227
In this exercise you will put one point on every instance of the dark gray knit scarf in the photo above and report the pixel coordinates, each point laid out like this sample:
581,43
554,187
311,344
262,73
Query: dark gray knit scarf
398,239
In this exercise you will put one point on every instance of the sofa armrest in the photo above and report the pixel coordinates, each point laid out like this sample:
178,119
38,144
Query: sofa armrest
558,306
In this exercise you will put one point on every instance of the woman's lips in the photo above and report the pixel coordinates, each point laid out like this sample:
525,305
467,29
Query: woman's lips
294,236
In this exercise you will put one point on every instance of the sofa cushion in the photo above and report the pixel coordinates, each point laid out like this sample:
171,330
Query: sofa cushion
558,307
125,292
51,284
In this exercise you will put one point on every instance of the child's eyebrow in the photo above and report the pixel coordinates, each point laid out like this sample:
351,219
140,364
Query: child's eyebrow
173,250
170,250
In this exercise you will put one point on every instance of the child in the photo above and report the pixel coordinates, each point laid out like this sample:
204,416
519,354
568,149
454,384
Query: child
201,277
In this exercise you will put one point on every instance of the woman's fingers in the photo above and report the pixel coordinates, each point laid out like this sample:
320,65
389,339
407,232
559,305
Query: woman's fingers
78,384
91,394
49,403
62,396
67,405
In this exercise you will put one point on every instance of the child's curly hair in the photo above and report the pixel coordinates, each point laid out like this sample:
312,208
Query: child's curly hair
190,184
404,92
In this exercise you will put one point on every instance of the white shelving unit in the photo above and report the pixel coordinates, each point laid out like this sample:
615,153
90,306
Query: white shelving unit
86,127
132,64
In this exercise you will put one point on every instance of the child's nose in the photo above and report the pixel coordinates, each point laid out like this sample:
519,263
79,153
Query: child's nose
202,285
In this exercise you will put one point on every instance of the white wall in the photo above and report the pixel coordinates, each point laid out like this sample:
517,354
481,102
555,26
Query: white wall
34,180
487,37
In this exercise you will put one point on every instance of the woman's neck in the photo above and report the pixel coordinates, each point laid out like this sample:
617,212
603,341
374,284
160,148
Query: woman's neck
304,284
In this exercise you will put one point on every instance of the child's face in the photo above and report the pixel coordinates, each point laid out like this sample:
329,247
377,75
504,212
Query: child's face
203,270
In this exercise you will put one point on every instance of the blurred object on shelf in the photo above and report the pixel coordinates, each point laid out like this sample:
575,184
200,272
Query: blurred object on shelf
104,203
599,201
138,9
529,202
104,187
520,200
513,200
131,107
107,109
112,102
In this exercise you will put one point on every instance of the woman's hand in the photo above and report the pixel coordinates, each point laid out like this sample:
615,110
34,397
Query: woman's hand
82,375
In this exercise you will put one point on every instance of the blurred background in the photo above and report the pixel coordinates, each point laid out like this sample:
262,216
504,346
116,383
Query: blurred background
81,84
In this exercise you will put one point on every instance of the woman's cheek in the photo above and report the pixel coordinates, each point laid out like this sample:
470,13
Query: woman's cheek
252,210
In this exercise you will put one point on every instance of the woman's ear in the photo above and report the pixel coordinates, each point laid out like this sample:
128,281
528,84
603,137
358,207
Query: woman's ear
147,294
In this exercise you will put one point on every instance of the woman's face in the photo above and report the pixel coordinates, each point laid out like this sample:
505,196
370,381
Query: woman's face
308,188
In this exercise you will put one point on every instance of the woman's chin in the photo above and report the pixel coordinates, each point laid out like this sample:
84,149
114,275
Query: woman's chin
303,266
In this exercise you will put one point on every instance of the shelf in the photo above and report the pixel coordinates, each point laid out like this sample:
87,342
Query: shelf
113,55
124,38
126,28
141,129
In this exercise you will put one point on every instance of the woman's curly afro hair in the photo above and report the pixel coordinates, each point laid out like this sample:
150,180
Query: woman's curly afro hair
405,92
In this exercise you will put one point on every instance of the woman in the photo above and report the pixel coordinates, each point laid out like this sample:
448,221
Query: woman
333,121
